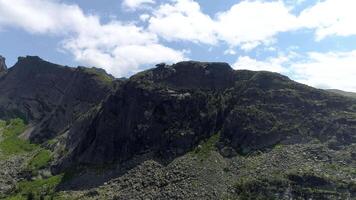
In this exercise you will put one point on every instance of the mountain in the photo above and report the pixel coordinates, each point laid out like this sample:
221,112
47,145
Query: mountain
50,97
348,94
191,130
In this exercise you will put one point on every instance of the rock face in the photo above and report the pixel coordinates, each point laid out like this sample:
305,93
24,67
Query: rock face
49,96
192,130
3,67
169,110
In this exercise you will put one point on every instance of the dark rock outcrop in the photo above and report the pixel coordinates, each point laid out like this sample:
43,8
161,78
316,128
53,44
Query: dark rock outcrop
168,110
155,112
3,67
49,96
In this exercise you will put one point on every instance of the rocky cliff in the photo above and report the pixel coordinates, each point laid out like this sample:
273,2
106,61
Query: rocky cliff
168,110
49,96
191,130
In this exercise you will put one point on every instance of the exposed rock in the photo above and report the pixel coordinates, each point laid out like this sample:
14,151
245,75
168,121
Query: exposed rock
3,67
50,96
169,110
198,131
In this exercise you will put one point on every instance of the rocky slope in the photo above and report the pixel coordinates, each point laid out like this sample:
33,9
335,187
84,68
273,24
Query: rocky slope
50,97
348,94
192,130
168,110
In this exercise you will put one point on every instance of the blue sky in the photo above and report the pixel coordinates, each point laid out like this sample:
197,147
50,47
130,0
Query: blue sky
311,41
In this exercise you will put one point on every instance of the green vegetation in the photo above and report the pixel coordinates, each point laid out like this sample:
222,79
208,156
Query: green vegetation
2,124
37,189
278,146
40,160
11,144
99,75
204,149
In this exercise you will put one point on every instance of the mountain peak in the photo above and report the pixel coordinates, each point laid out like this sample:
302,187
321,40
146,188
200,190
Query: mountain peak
3,67
21,58
190,74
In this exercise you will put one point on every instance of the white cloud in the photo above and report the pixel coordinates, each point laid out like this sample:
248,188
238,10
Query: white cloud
331,17
251,23
273,64
110,46
183,20
144,17
247,24
135,4
328,70
335,70
39,16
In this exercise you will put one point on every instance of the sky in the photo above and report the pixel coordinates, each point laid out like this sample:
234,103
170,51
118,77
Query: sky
311,41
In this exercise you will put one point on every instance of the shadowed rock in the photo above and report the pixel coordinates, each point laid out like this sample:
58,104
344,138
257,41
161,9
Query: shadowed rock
49,96
167,111
3,67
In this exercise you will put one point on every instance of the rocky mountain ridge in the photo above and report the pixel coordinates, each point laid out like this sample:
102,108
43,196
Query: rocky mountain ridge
166,117
183,104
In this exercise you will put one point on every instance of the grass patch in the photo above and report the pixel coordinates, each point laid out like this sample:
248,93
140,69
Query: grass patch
2,124
17,197
204,149
40,160
278,146
37,189
11,144
99,75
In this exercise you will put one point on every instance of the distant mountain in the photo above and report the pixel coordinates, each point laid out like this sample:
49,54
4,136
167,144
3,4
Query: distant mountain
191,130
348,94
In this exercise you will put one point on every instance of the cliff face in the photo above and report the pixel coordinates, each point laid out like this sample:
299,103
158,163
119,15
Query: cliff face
192,130
49,96
169,110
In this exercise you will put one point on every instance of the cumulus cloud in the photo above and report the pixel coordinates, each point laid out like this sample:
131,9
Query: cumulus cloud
330,17
273,64
336,70
39,16
135,4
183,20
331,70
251,23
110,45
238,26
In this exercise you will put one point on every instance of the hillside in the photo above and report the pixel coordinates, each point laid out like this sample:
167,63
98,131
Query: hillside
191,130
348,94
